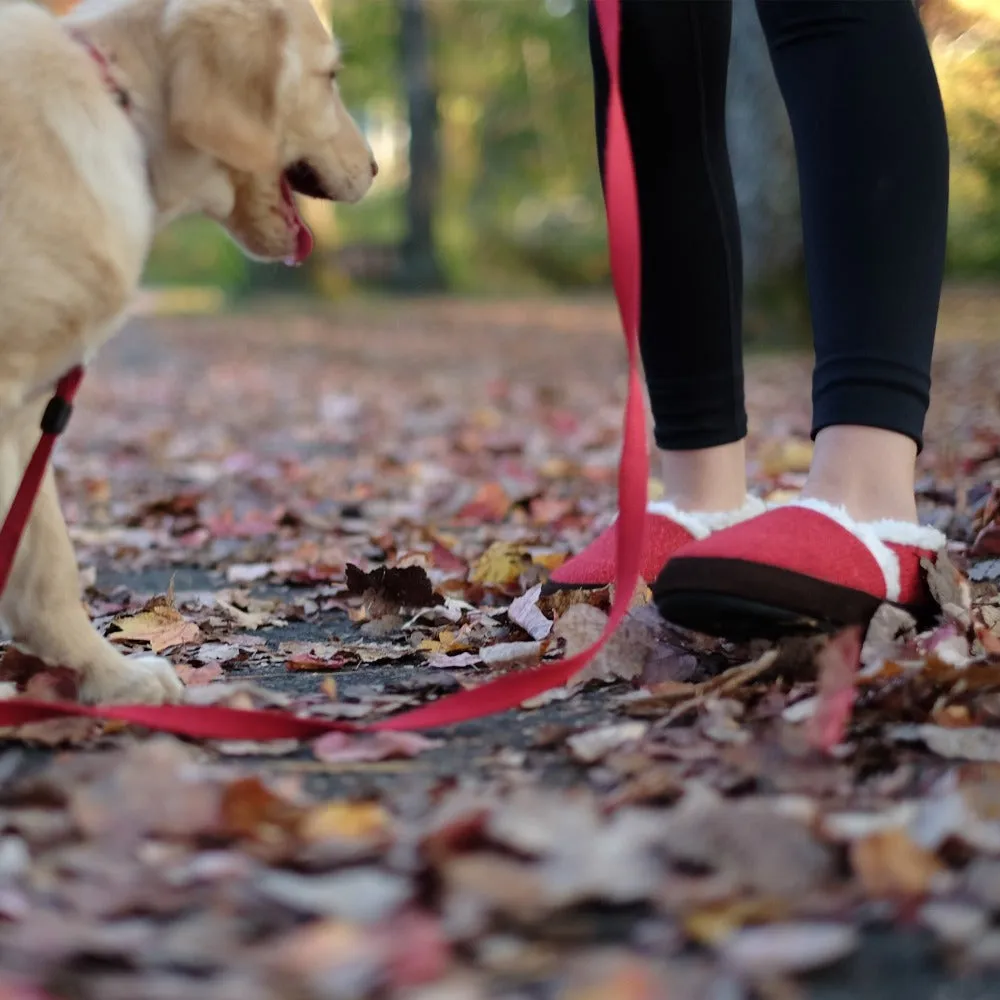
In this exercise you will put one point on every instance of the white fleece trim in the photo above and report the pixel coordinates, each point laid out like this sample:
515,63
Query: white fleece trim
700,524
920,536
888,561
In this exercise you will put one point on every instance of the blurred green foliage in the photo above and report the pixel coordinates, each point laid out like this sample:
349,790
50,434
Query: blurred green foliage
520,207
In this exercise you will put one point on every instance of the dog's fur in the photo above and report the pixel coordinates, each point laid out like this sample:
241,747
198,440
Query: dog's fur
225,96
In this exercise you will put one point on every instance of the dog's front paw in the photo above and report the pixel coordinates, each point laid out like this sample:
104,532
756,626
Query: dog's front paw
135,680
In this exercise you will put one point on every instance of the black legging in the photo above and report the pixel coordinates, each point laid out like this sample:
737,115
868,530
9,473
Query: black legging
872,152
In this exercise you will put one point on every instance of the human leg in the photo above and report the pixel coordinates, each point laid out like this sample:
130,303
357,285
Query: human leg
674,67
872,152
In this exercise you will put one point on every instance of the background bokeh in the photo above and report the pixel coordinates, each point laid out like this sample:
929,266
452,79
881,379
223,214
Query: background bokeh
480,114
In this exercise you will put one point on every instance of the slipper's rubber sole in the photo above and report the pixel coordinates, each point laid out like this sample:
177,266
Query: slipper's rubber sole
738,600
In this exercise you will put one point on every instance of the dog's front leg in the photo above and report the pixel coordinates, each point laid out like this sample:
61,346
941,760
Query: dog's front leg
42,604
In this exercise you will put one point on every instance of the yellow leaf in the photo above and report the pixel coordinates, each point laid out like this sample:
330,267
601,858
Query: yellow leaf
447,641
161,625
786,455
344,820
550,560
710,924
500,565
889,863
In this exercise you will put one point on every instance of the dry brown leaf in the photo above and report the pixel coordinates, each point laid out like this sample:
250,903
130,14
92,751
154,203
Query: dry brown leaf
447,641
251,809
197,676
159,624
559,602
949,587
511,654
890,864
621,658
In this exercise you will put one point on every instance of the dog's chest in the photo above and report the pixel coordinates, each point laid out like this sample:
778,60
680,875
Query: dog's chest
107,155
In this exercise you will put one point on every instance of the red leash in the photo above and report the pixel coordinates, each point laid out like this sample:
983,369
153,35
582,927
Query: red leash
212,722
54,421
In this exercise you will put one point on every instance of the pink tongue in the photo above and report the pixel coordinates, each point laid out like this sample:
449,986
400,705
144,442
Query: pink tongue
303,242
303,236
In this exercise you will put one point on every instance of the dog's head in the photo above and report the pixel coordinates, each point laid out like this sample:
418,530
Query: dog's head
253,84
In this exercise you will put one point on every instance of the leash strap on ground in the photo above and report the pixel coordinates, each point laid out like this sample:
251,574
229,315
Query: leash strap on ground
213,722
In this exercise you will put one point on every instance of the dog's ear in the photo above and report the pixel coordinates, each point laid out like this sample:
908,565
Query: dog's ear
224,61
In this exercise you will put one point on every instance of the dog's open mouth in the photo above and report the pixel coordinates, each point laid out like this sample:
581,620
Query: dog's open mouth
302,179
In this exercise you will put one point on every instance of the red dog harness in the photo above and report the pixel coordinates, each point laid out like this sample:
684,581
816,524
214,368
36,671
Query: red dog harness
213,722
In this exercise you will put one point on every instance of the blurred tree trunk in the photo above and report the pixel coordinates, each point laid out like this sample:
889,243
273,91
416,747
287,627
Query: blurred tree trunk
419,269
764,172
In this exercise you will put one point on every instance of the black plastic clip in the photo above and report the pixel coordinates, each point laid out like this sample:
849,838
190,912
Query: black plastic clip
56,415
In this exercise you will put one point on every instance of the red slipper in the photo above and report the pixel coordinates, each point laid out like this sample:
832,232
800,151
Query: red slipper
667,530
803,567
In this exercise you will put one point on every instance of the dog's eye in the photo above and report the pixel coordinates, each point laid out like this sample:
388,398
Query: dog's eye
333,75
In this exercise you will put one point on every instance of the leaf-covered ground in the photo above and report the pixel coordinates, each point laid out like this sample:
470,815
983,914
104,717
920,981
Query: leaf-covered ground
350,515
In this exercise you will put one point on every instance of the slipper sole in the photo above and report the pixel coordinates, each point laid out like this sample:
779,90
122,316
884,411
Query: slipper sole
739,600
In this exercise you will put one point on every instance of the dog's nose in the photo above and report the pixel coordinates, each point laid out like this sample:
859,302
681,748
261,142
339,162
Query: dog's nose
374,167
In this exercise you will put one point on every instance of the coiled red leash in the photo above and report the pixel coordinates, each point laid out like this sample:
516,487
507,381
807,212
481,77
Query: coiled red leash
212,722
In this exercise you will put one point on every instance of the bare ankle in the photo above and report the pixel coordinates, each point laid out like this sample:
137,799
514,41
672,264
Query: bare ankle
705,479
868,471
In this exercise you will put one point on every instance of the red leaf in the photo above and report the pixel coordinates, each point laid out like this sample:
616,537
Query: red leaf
343,748
443,558
490,503
306,661
197,676
36,679
838,663
418,950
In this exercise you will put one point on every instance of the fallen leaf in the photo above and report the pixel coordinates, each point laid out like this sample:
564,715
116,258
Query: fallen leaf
955,924
510,654
971,743
248,573
363,896
419,950
249,808
786,455
716,922
444,661
253,615
159,624
36,679
750,841
306,661
594,745
890,864
524,611
501,565
389,590
345,820
788,949
347,748
196,676
837,665
490,504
